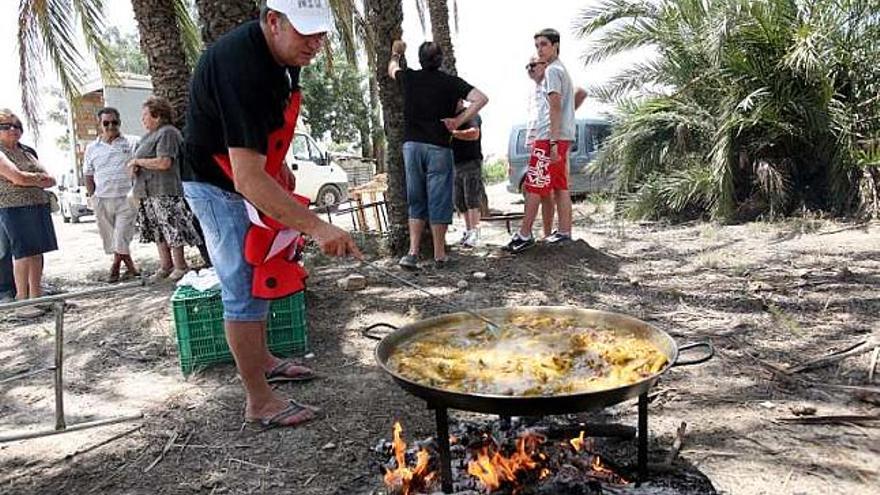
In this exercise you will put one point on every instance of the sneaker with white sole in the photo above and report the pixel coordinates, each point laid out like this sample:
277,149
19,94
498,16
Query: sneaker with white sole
557,237
519,243
472,239
464,238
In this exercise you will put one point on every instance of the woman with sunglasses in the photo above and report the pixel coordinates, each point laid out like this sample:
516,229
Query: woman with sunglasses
25,216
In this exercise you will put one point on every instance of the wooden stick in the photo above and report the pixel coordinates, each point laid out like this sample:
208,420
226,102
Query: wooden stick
161,455
822,420
676,444
259,466
873,365
854,350
103,443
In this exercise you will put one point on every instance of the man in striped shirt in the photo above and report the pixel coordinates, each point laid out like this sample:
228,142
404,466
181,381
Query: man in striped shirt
108,182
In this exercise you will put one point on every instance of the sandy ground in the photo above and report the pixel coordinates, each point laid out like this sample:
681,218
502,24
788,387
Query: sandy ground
767,295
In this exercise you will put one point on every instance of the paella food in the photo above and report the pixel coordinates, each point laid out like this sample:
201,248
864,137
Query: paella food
531,356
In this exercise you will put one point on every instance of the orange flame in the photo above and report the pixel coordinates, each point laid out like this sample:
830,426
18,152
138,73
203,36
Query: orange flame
492,468
407,479
578,442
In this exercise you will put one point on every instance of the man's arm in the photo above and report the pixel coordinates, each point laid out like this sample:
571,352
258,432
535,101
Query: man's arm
90,185
555,100
469,134
398,48
477,101
580,94
269,197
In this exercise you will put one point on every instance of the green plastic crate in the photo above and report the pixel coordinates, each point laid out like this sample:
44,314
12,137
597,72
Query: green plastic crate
201,339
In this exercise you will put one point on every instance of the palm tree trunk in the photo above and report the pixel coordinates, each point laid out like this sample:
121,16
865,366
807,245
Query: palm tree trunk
385,18
439,11
220,16
378,137
161,41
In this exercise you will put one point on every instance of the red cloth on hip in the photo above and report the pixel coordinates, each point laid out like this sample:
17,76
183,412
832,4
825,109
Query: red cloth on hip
543,176
273,249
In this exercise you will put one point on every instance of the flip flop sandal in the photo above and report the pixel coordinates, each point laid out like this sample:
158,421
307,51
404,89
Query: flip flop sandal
293,408
277,375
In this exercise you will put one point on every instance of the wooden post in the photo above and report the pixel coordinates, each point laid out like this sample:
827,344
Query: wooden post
58,309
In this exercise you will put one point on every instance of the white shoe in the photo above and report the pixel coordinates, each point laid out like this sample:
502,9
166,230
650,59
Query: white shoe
471,239
464,238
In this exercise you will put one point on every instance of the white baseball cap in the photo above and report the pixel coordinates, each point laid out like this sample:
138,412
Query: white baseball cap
307,16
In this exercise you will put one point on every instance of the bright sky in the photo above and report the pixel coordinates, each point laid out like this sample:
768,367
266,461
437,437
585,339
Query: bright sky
492,44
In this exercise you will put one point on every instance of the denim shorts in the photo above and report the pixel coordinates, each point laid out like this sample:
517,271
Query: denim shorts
429,176
29,230
225,222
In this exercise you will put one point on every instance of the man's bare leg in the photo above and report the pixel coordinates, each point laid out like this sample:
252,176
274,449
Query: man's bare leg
247,341
548,207
563,204
533,202
438,236
416,227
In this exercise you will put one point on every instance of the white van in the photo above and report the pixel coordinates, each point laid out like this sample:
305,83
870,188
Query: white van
318,177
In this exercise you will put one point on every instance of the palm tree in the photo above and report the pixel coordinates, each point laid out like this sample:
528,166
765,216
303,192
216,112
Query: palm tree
49,28
439,12
167,38
747,108
385,18
220,16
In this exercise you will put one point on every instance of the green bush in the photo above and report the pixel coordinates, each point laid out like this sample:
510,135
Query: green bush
495,171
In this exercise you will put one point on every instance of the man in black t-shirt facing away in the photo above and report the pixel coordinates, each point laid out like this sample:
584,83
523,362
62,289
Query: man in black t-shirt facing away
430,97
243,105
468,190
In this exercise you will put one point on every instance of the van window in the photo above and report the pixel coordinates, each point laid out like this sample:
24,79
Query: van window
597,136
300,147
521,141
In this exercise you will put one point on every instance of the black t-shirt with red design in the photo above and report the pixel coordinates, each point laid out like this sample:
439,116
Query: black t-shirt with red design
237,98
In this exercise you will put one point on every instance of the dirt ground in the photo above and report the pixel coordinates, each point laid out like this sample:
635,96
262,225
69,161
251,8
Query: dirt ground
767,295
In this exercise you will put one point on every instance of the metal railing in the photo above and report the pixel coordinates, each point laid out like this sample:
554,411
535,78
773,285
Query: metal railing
57,302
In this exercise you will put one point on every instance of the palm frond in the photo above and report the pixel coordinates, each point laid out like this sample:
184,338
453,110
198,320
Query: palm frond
45,27
91,17
594,19
189,31
619,39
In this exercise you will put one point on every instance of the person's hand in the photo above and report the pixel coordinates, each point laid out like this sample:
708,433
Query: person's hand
554,153
132,168
335,241
451,123
398,47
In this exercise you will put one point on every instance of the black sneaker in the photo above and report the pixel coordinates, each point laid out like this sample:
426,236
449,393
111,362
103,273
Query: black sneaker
557,237
409,262
519,243
444,263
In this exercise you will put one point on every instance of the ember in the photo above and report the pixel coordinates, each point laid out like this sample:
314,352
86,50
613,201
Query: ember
518,463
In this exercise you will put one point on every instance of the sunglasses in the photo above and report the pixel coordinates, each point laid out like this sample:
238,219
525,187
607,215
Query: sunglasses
9,127
532,65
108,123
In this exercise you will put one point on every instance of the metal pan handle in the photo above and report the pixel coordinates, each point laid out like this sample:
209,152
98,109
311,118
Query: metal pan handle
368,332
710,351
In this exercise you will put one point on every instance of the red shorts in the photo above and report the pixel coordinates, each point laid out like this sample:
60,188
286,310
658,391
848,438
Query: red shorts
544,176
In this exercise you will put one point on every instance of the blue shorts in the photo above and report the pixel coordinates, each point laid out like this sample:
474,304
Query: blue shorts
29,230
225,222
429,178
